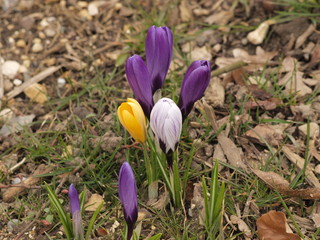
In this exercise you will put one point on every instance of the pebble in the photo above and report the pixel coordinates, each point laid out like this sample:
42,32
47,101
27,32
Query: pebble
6,115
84,13
44,23
12,224
50,32
42,35
21,43
17,180
7,85
93,8
17,82
61,82
37,47
82,4
10,68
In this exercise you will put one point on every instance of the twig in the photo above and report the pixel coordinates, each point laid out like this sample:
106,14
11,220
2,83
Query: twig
17,165
39,77
228,68
1,81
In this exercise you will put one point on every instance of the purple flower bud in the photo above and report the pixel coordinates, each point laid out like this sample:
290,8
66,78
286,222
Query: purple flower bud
128,196
75,212
139,81
166,123
159,42
194,84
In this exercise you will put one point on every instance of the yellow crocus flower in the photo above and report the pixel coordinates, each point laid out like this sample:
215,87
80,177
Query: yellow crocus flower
133,119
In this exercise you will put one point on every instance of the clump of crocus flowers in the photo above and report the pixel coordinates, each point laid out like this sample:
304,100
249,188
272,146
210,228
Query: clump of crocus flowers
164,115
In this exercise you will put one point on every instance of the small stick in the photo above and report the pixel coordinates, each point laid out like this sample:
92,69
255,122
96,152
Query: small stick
39,77
228,68
1,81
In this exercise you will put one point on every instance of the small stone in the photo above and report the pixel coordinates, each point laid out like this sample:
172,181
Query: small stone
84,13
217,47
26,63
21,43
12,224
50,32
61,82
50,62
117,6
10,27
37,47
93,8
10,68
42,35
6,115
17,82
44,23
7,85
37,40
18,180
23,69
11,41
82,4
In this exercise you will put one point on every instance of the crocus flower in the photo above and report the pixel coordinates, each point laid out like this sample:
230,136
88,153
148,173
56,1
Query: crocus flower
139,81
166,123
76,213
194,84
133,119
128,196
159,42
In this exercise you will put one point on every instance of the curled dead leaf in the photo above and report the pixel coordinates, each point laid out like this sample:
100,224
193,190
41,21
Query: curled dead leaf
272,226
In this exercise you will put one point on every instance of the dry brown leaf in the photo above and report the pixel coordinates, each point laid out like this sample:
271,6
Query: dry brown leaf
185,12
198,53
272,226
299,162
263,134
302,38
37,92
11,193
294,82
267,105
220,18
215,93
278,183
243,227
93,203
231,151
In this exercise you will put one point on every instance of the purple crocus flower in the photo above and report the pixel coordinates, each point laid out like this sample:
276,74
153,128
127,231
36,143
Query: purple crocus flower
159,42
166,123
194,84
139,81
76,213
128,196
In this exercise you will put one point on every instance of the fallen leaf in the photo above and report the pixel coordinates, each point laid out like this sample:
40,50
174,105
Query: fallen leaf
266,105
220,18
185,12
198,53
294,83
263,134
215,93
37,92
243,227
278,183
16,124
272,226
11,193
94,202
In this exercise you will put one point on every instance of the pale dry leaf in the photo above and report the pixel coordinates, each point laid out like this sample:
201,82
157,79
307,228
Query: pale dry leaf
243,227
313,131
294,83
16,124
220,18
94,202
37,92
258,35
302,38
278,183
162,202
289,64
265,134
299,162
185,12
272,226
215,93
11,193
200,53
231,151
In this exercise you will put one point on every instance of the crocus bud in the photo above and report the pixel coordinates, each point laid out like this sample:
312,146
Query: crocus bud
194,84
128,196
166,123
159,42
132,118
75,212
140,83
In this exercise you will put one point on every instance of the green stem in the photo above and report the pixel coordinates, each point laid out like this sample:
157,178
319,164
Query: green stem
151,175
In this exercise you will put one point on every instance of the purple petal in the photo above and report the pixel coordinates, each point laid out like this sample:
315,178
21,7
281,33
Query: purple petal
74,199
194,84
159,43
139,81
128,194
